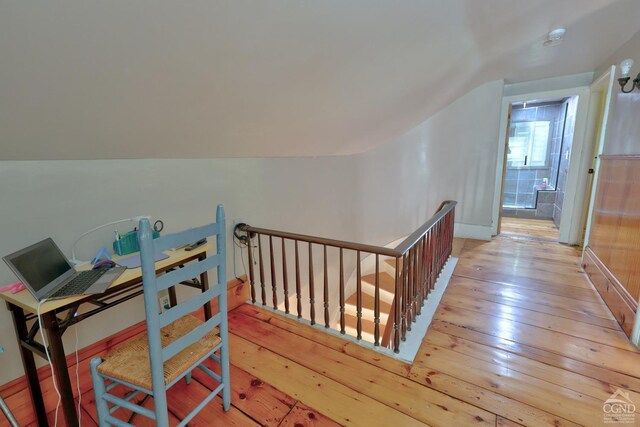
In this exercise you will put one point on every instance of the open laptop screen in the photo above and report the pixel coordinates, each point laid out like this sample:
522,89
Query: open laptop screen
39,264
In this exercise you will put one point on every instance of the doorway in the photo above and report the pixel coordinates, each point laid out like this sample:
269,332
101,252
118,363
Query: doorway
536,164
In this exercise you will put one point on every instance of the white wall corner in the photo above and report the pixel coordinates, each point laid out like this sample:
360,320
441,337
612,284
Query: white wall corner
472,231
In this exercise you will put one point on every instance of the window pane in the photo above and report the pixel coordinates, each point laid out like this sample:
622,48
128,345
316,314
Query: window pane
528,142
540,141
520,134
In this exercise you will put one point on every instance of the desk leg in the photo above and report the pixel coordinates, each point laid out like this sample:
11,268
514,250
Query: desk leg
204,279
59,361
29,365
173,299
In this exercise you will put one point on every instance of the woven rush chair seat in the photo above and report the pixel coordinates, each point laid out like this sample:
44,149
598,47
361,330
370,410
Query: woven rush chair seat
129,361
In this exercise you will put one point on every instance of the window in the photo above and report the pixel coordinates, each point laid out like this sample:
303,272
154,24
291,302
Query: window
528,144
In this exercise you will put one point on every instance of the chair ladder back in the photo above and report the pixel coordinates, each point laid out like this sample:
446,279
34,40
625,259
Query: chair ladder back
152,284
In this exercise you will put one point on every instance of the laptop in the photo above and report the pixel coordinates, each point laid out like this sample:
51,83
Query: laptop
47,273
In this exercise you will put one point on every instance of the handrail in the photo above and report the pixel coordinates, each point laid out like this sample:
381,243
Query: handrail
413,238
398,251
418,261
381,250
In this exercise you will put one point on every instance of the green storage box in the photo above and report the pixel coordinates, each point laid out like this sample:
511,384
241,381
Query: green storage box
128,243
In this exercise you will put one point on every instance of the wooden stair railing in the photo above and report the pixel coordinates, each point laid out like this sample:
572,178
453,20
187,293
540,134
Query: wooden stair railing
417,262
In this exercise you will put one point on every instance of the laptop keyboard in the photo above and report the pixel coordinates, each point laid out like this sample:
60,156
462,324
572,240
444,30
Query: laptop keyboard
80,283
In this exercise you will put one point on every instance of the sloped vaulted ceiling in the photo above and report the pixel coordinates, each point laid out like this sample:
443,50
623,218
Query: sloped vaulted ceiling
191,79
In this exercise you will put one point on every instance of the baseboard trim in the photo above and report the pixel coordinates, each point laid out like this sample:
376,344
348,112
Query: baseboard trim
612,292
471,231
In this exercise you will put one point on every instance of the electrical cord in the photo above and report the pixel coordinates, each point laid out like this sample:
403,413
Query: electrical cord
238,243
244,268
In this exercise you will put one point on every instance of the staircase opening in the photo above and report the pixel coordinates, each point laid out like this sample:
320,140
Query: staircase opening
380,297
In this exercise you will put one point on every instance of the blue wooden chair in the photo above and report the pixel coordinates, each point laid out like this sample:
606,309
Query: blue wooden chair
176,342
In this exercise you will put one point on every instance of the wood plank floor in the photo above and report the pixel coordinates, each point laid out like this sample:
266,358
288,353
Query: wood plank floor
543,229
520,338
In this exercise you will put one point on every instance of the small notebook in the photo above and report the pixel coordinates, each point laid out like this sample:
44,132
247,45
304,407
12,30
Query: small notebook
133,261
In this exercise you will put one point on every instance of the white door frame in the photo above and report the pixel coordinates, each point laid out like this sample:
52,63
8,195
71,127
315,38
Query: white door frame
573,207
605,84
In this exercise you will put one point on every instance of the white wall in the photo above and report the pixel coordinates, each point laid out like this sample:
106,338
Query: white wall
544,85
372,198
62,199
631,49
450,156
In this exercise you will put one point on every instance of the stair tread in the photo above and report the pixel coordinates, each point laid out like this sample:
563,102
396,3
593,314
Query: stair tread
368,326
387,282
368,301
392,262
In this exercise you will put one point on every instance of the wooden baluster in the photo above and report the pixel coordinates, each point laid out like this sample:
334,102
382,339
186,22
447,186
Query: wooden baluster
425,270
261,260
443,241
447,246
298,290
410,289
397,309
403,312
453,226
312,291
376,302
285,278
415,310
251,272
437,248
359,296
326,290
342,326
428,262
434,254
440,239
274,295
419,300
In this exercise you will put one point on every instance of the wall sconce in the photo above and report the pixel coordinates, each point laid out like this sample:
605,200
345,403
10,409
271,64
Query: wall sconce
625,68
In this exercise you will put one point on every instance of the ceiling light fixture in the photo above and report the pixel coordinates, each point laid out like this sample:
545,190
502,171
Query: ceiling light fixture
625,69
555,37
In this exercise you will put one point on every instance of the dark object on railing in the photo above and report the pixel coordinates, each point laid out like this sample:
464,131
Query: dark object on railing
418,261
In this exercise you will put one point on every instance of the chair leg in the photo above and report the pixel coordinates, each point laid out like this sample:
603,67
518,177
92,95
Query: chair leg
99,390
224,371
187,378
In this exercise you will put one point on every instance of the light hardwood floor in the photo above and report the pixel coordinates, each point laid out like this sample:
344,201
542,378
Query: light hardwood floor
543,229
520,337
